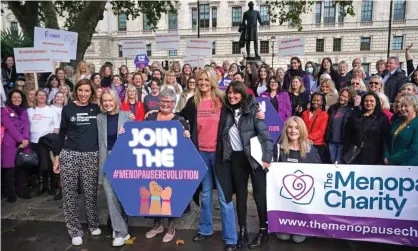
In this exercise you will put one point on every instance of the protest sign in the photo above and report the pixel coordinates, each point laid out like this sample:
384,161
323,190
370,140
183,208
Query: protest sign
194,61
291,46
46,34
131,48
224,84
154,169
355,202
198,47
272,118
59,51
167,41
141,61
33,60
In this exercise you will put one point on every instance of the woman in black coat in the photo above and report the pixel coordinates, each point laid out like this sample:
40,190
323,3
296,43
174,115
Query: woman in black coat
326,67
240,126
366,130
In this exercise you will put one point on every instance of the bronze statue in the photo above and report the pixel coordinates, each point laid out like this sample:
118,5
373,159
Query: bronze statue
248,29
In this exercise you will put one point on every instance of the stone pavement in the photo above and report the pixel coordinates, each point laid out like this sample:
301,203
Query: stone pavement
37,225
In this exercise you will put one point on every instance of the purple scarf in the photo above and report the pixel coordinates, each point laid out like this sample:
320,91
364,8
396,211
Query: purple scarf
17,109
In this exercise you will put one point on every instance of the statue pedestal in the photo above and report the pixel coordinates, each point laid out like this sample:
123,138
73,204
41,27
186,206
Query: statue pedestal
253,59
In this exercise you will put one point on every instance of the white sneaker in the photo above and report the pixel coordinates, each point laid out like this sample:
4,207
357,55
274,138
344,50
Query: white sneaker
77,241
96,232
119,241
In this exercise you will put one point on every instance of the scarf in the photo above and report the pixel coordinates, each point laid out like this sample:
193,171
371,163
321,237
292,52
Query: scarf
118,90
298,72
17,109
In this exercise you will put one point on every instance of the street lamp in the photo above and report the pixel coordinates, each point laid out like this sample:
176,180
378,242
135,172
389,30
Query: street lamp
273,41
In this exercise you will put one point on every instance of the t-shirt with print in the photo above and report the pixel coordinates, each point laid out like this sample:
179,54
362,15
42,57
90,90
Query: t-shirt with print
78,128
152,103
207,125
337,122
42,122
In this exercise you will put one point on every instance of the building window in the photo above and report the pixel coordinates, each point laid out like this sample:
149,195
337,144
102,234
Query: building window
172,53
213,48
236,16
264,13
194,18
146,24
397,43
320,45
366,67
365,43
14,27
120,51
204,16
236,49
172,21
329,12
399,10
122,22
214,17
318,12
336,45
264,47
366,10
149,51
341,14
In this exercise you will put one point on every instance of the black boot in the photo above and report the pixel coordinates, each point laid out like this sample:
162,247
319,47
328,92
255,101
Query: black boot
41,184
242,237
50,184
262,237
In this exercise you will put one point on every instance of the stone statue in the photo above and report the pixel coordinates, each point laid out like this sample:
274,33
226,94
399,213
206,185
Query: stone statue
248,29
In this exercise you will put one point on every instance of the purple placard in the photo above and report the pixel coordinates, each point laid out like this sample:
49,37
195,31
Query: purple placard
141,61
224,83
399,232
272,118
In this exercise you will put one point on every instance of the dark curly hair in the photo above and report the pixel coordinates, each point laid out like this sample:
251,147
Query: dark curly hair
24,103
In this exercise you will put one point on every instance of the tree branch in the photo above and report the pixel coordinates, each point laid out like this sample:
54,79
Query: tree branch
50,13
26,14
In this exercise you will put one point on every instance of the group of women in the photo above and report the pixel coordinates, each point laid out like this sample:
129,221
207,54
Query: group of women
323,123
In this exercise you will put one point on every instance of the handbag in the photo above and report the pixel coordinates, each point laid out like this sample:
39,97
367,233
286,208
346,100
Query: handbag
27,160
353,151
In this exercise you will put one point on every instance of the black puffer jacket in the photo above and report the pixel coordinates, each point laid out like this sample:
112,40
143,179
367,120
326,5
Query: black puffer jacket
249,126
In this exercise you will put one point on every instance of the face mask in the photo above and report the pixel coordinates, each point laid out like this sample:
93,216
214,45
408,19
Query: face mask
309,70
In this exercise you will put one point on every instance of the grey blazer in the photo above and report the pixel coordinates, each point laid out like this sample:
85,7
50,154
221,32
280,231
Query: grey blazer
102,130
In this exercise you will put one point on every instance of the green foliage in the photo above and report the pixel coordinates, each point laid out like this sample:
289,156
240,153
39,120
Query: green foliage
291,10
12,39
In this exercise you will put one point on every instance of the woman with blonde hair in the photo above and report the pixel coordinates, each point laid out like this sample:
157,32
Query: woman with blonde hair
409,88
203,112
327,87
109,127
299,96
187,94
82,71
375,84
133,105
294,146
171,82
67,92
31,97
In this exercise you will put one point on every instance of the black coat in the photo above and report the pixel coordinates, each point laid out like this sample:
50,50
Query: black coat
394,83
371,130
251,16
303,102
311,157
249,126
332,110
334,77
189,112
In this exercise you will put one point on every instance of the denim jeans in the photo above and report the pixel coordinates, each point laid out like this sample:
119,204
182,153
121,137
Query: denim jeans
335,152
229,231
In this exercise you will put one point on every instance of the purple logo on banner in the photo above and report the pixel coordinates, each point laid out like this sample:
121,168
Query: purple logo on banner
224,83
141,61
272,118
153,169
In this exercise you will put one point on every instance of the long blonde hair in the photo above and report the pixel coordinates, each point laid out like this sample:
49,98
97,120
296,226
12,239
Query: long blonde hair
131,88
168,73
303,141
78,73
215,93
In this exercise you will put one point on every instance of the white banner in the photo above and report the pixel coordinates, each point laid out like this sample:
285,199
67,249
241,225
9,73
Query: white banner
33,60
374,203
198,47
59,51
167,41
45,34
131,48
291,46
194,61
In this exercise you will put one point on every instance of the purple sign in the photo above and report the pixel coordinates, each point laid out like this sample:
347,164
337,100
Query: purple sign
141,61
224,83
272,118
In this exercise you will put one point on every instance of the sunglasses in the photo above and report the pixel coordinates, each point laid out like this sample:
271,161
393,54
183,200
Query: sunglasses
374,83
355,83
